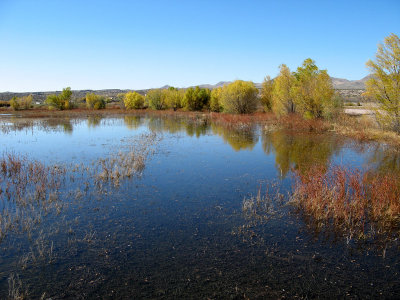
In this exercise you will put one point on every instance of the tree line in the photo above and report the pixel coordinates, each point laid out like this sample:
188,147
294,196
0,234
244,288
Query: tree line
307,91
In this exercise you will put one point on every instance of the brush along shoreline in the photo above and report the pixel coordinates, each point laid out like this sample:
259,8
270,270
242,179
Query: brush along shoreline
359,127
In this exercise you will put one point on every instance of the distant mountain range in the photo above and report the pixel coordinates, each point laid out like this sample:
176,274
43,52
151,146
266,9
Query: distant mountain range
344,86
338,84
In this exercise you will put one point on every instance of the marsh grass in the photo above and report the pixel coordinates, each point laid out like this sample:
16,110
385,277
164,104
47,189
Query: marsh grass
363,128
356,204
352,205
360,128
294,122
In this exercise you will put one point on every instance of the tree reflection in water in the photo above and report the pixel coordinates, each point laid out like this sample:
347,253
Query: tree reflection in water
300,151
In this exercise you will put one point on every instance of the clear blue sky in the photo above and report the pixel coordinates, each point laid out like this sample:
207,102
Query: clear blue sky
48,45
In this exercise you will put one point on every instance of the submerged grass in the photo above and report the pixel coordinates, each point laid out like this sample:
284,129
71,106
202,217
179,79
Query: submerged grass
16,290
125,164
258,210
30,190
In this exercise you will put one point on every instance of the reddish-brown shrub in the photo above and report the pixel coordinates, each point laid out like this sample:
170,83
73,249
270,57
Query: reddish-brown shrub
349,200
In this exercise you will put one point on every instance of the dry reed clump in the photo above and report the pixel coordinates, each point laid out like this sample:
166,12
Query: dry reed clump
353,203
28,189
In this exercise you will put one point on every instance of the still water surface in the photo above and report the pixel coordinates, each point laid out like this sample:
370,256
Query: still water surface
177,228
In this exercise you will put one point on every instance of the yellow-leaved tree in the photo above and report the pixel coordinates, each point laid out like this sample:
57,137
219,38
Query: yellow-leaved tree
384,84
215,99
313,90
173,97
94,101
61,101
21,103
282,93
266,93
239,97
133,100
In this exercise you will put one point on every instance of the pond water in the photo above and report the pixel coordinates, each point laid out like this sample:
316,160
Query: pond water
174,225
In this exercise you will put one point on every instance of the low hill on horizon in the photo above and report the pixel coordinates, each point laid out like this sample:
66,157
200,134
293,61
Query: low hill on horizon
350,89
338,84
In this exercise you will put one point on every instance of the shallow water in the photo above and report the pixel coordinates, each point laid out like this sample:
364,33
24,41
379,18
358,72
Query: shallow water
177,228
